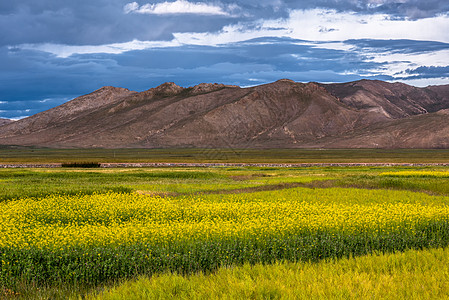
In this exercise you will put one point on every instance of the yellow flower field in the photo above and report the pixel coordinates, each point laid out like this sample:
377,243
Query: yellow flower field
122,219
413,173
91,238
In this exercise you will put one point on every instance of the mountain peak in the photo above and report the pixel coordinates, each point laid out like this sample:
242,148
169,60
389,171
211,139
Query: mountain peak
207,88
286,80
109,88
167,89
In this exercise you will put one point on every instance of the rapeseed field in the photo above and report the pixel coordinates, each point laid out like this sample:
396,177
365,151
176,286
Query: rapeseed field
93,238
413,173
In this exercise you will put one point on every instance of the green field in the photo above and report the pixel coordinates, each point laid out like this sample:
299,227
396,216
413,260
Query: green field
256,232
409,275
194,155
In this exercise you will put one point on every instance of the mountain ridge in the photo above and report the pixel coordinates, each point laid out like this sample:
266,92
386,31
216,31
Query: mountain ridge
282,114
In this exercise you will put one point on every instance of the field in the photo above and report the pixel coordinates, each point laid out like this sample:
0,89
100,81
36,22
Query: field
194,155
251,232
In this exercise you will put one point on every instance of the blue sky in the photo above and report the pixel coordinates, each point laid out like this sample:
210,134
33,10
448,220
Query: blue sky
52,51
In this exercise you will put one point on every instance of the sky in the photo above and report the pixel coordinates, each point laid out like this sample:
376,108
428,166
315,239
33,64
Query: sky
52,51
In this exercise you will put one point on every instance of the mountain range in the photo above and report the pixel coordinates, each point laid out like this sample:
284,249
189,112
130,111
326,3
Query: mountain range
282,114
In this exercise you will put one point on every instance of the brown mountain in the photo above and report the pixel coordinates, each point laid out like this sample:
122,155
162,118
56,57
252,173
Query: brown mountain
282,114
395,100
5,121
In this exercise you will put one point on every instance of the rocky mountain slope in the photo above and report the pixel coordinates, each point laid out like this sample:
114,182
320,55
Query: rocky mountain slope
284,114
5,121
395,100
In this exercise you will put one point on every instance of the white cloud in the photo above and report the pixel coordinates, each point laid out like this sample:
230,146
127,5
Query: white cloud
309,24
3,102
423,82
397,63
327,25
393,62
177,7
18,118
59,99
117,48
131,7
229,34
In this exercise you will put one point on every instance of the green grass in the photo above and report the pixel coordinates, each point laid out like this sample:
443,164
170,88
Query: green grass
433,185
20,183
193,155
411,274
408,275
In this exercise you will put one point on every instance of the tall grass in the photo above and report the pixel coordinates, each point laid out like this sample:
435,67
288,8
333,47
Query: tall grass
408,275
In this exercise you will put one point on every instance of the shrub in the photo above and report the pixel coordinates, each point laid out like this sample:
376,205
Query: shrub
81,165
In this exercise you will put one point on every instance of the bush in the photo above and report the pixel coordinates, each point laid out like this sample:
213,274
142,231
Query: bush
81,165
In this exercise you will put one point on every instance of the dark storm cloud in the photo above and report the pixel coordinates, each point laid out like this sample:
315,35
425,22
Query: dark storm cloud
429,72
86,22
413,9
97,22
27,107
401,46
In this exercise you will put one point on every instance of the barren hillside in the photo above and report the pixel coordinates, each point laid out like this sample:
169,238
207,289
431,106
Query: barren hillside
283,114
